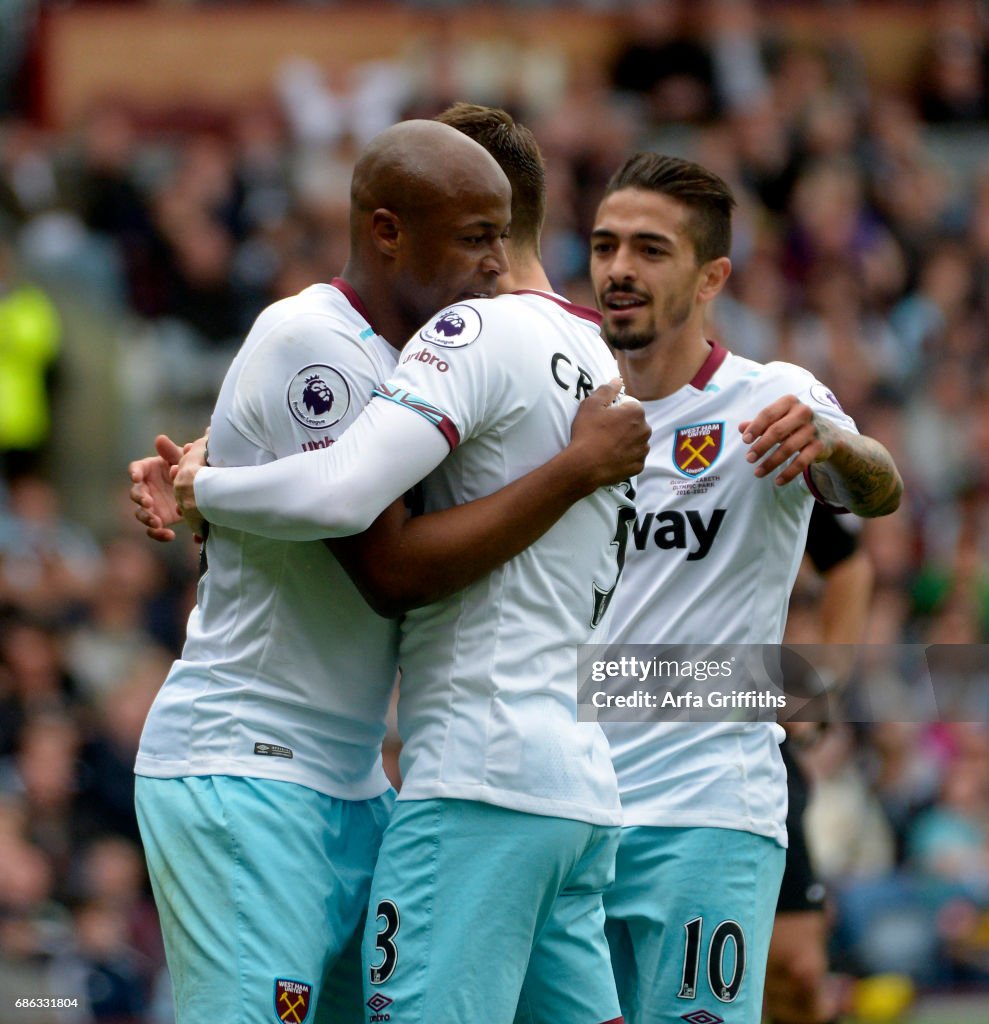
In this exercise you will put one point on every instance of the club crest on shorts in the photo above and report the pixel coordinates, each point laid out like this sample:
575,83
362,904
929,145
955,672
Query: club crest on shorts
696,447
318,396
292,1000
455,327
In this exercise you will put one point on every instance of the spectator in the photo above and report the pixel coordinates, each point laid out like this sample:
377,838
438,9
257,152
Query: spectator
30,333
952,85
664,66
48,564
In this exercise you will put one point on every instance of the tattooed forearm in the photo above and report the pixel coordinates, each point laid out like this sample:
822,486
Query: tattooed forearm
859,473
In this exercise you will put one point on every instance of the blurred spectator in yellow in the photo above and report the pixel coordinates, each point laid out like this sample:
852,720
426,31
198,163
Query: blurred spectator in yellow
30,334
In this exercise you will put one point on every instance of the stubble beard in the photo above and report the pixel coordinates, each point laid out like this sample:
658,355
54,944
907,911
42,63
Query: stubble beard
676,313
629,337
626,340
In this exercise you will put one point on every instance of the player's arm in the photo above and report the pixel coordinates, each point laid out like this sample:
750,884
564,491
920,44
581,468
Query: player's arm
401,563
856,472
846,574
331,492
847,578
846,468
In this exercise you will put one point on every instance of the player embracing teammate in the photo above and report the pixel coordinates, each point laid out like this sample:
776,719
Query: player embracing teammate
492,870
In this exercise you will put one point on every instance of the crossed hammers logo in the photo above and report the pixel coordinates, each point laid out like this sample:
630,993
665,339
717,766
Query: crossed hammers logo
695,453
292,1008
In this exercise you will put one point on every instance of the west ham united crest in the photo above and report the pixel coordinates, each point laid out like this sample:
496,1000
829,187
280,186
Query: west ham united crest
318,396
696,448
292,1000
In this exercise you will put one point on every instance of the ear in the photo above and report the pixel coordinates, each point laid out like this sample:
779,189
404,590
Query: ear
386,232
714,274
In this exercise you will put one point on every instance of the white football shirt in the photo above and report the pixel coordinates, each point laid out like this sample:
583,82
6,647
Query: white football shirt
286,672
711,559
487,709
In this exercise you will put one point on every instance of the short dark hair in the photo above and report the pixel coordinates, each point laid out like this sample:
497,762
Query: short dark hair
516,151
706,196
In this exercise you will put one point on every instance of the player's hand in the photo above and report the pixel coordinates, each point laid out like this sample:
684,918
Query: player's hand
611,438
784,429
192,461
151,490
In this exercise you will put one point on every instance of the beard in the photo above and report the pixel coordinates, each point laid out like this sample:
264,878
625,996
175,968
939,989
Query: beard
625,339
675,313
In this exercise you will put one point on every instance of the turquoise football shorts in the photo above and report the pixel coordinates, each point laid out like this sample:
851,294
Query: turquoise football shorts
481,913
689,920
261,888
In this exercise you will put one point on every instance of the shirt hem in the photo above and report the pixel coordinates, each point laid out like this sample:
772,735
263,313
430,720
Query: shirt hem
524,802
368,789
771,830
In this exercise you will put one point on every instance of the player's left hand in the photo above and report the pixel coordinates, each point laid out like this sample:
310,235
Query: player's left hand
611,434
786,429
192,461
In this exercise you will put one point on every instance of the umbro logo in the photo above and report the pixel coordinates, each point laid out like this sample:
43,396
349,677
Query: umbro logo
272,750
376,1004
702,1017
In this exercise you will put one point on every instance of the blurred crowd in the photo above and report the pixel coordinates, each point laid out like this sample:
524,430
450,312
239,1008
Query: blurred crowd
861,252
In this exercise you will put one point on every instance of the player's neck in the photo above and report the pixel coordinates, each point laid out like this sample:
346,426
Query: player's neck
379,305
665,366
526,273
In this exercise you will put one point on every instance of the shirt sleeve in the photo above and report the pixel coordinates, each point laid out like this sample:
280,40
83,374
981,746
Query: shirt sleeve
789,379
450,384
822,400
453,372
329,492
301,387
